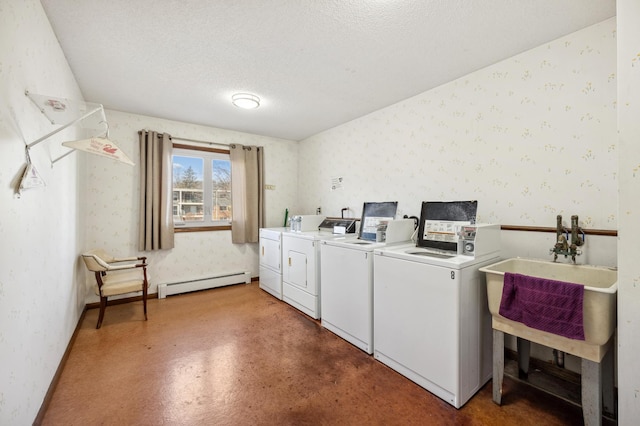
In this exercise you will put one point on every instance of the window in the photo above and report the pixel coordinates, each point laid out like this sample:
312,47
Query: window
201,188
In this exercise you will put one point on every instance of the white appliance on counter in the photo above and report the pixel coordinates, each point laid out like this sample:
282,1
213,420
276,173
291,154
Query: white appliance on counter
301,263
347,281
271,251
431,321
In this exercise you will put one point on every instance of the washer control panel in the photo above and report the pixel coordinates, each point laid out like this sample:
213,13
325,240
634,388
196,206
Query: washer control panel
479,239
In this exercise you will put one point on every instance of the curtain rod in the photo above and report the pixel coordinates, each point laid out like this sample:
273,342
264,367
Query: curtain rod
197,141
189,140
194,140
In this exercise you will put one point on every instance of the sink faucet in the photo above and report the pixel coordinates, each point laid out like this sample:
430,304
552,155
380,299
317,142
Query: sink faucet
563,247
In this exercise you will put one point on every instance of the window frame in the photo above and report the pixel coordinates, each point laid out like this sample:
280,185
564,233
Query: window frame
198,151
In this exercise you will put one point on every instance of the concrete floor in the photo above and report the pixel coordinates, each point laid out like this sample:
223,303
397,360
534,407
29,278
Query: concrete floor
238,356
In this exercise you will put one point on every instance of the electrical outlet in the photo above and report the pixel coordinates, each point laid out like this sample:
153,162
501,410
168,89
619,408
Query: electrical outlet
270,187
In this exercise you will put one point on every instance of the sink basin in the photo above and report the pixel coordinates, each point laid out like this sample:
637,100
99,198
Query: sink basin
599,305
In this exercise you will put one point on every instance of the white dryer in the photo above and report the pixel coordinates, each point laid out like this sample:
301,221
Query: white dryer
431,320
347,283
271,260
271,251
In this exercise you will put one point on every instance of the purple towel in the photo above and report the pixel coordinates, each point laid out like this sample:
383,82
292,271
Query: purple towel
547,305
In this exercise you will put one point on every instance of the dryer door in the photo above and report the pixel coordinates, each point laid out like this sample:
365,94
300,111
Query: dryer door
270,253
296,269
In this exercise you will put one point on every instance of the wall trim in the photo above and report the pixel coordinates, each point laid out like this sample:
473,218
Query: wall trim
605,232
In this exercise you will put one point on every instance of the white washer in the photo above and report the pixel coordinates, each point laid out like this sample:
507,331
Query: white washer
347,284
271,260
301,266
431,321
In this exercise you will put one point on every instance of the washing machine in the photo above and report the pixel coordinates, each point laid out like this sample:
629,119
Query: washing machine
347,282
301,263
431,319
271,251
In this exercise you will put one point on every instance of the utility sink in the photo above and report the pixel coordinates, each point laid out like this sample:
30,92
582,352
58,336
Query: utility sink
599,305
599,320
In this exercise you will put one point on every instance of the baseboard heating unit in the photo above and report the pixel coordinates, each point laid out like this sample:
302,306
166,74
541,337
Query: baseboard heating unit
165,290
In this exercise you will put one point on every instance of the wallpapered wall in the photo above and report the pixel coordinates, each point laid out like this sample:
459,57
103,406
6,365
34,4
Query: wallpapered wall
41,289
530,137
629,268
110,202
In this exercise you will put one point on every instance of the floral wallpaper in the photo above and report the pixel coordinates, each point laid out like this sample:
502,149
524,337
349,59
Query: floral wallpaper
629,208
530,137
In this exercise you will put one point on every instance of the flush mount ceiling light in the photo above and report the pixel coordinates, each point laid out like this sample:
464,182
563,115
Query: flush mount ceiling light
245,100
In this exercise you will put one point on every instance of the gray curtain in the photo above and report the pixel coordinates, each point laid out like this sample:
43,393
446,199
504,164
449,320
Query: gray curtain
247,192
156,201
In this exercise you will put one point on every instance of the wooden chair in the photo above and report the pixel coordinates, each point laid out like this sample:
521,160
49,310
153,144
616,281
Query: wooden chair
116,276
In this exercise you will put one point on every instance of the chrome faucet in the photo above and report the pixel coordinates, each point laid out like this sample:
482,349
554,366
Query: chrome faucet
563,247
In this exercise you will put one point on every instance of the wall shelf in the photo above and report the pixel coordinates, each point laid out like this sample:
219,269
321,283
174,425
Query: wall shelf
65,112
69,112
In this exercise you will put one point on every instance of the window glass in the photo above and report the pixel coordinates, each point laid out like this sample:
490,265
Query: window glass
221,185
192,180
187,188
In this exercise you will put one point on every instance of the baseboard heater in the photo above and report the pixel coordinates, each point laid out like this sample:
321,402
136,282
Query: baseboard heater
165,290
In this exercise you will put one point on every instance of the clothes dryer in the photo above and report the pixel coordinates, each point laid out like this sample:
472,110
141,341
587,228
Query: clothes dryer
271,251
271,260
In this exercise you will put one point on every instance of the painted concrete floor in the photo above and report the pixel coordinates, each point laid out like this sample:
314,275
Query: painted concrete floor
238,356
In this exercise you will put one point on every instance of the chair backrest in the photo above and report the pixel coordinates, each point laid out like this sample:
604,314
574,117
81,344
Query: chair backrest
94,262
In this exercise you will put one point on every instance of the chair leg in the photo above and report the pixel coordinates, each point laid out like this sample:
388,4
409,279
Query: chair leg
103,306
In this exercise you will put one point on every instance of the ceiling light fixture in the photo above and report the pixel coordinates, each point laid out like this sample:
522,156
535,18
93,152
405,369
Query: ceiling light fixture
245,100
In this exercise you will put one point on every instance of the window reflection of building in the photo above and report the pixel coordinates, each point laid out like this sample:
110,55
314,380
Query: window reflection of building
221,204
188,204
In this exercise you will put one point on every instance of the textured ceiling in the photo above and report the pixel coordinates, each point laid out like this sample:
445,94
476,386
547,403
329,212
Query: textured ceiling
314,63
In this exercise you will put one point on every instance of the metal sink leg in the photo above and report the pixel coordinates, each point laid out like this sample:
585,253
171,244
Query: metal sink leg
498,365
